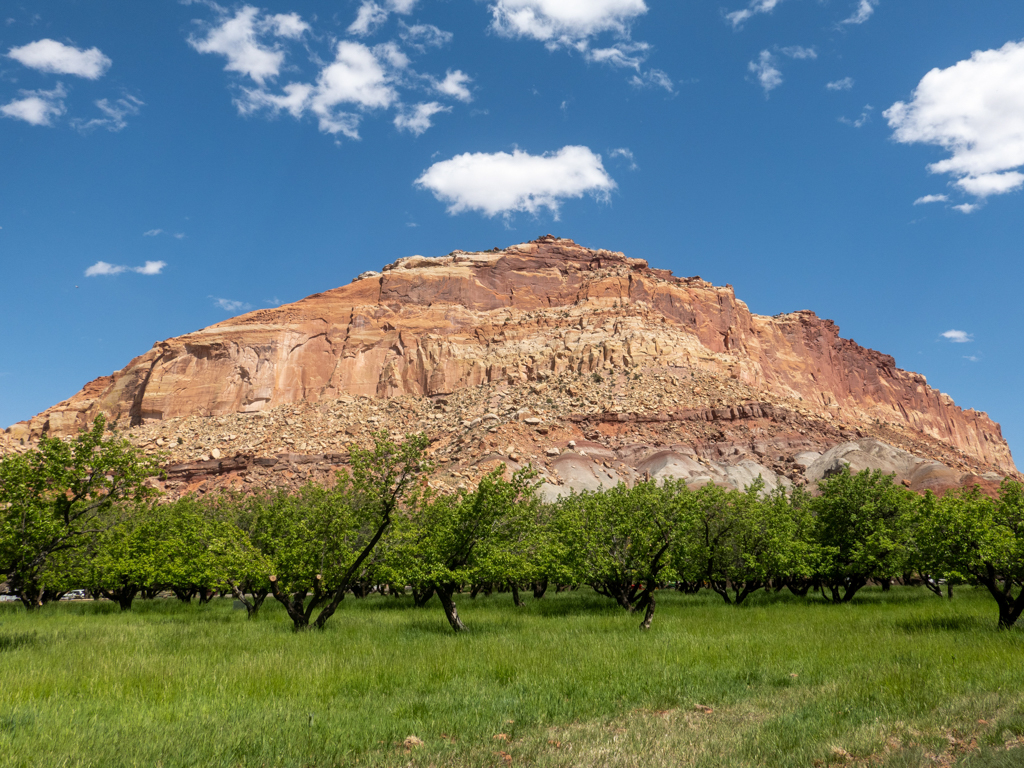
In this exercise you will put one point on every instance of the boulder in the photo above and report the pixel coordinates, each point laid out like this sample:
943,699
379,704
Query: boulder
805,459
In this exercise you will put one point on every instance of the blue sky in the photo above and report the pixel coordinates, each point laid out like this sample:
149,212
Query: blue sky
164,165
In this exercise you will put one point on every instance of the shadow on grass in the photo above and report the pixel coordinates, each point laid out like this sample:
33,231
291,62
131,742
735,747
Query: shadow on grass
10,723
920,625
581,603
17,640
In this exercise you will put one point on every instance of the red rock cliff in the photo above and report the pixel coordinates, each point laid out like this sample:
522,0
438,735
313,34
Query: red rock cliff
427,326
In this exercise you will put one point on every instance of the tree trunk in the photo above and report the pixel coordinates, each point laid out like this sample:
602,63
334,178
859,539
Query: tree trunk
539,588
931,585
649,614
31,599
852,587
516,600
721,590
647,601
450,611
123,596
293,605
1009,608
749,588
252,604
422,596
949,590
800,590
360,590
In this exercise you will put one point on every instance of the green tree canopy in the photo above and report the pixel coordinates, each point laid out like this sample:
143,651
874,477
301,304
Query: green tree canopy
52,497
864,524
483,535
322,541
969,537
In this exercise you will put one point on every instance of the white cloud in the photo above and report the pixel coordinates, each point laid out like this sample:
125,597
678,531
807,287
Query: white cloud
115,112
179,235
840,85
991,183
972,358
975,111
564,22
627,55
862,12
371,15
423,35
153,233
294,100
503,183
631,55
287,25
102,268
653,78
391,54
966,208
931,199
354,77
626,155
37,107
768,75
455,84
230,305
799,52
958,337
359,79
151,268
418,119
50,56
736,18
859,122
239,40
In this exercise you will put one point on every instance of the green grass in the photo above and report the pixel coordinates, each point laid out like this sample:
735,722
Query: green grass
903,678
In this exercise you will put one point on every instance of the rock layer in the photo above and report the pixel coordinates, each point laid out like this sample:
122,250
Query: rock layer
523,316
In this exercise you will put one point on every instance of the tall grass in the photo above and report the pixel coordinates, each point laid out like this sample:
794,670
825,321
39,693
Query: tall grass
565,681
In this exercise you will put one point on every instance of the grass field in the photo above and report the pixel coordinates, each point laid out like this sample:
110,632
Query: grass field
898,679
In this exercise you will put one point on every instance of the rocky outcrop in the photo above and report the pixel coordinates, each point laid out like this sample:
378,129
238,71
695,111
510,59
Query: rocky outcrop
542,315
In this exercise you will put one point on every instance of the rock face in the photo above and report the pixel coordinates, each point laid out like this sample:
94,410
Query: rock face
552,320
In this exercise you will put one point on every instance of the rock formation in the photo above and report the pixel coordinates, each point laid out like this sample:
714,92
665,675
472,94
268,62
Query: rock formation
557,343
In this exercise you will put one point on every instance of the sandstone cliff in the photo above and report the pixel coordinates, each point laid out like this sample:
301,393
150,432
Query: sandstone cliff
536,312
